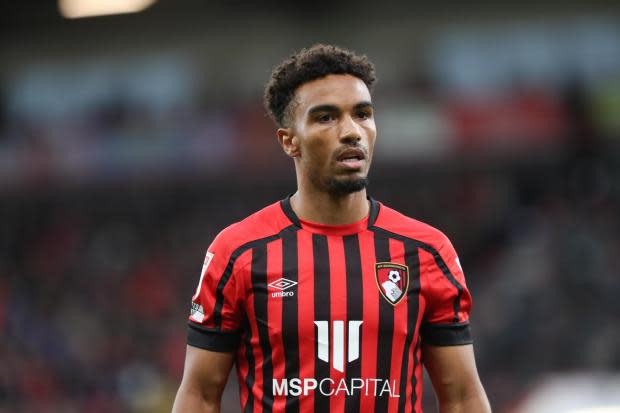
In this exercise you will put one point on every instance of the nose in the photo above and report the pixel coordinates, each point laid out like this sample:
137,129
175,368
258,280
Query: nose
350,131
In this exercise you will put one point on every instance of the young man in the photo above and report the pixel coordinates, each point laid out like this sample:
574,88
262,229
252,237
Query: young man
329,301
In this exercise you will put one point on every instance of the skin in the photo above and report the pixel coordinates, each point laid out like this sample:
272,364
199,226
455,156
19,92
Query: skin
204,377
330,115
452,370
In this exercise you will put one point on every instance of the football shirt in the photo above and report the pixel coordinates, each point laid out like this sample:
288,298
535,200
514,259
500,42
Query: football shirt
329,318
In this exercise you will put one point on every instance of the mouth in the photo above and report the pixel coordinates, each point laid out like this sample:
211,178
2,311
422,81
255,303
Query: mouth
352,158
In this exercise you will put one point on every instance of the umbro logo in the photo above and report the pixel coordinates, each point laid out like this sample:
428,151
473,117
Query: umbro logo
281,285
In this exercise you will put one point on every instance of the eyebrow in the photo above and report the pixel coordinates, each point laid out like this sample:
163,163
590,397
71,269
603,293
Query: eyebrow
364,105
333,108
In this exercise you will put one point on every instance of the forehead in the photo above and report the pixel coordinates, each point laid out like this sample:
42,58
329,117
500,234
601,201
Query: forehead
337,90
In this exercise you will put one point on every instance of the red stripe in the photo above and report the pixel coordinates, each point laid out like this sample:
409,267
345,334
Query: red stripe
418,363
415,369
242,372
256,349
274,304
231,318
409,380
371,316
418,372
305,300
338,289
242,361
397,254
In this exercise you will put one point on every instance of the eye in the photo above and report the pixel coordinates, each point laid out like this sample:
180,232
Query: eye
324,118
364,114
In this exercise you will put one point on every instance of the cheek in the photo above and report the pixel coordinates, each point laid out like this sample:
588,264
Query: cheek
371,133
317,150
371,128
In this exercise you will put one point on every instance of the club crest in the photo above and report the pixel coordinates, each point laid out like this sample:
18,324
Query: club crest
392,280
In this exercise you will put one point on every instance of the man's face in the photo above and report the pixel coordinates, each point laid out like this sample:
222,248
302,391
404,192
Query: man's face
334,127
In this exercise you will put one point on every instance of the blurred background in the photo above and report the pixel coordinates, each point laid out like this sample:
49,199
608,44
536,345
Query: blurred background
128,141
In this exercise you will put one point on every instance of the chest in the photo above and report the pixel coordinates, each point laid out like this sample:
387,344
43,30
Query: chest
339,287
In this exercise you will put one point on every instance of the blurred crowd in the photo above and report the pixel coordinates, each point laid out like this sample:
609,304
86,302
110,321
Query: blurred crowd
94,295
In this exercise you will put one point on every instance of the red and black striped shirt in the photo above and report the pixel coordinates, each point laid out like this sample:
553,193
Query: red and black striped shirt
329,318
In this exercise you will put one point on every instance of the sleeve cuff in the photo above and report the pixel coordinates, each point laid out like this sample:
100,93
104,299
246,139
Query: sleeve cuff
446,334
213,340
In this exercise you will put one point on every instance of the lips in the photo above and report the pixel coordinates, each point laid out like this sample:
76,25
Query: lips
351,154
351,159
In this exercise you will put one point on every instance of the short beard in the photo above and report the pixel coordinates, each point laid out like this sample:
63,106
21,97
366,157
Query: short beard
347,186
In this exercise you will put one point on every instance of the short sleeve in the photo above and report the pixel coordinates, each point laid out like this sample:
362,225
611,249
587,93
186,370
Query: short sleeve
217,304
448,301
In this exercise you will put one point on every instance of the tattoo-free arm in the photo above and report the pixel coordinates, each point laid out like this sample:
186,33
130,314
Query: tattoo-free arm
453,372
204,378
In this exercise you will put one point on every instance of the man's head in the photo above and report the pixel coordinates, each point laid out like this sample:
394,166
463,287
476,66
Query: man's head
320,99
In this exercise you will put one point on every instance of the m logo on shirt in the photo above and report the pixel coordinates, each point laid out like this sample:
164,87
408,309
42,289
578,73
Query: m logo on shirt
338,335
392,280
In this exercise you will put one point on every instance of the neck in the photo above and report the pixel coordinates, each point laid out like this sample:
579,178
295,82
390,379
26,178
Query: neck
323,208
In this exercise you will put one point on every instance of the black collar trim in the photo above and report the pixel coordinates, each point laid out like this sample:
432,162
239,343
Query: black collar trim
288,211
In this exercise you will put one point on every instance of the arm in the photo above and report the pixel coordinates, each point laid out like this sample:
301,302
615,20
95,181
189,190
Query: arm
204,378
452,370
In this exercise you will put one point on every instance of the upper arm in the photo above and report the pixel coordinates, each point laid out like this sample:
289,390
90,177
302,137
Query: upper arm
204,378
452,370
447,350
207,371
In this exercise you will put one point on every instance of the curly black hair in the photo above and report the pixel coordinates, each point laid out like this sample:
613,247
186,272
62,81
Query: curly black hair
310,64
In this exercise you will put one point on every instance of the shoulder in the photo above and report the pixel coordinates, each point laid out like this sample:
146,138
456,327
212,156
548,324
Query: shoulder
263,224
395,222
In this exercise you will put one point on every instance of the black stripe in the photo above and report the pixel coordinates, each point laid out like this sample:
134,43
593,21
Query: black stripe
455,334
292,216
438,260
355,310
386,327
249,379
288,211
412,260
259,289
373,213
290,332
219,292
211,339
322,310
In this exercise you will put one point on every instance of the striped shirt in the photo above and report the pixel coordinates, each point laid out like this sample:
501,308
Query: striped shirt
329,318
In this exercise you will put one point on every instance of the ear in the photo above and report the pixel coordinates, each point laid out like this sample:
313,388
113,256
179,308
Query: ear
289,142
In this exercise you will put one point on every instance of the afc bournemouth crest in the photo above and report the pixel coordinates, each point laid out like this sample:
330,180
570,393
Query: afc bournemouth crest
392,280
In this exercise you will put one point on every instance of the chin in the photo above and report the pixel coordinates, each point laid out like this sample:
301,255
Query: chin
346,186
